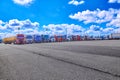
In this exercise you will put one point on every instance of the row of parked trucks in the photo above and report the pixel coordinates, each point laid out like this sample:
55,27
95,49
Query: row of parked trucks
28,39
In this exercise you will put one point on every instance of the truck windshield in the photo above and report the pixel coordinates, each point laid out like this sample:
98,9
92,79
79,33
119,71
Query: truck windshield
20,36
29,37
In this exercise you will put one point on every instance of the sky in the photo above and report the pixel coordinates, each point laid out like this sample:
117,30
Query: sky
71,17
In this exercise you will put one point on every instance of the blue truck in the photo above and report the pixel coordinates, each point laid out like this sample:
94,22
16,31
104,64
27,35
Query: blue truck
37,38
0,40
45,38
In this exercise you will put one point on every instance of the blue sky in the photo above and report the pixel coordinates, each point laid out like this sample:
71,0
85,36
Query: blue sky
57,16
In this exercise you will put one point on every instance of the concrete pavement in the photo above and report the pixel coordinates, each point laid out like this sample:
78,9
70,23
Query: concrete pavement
61,61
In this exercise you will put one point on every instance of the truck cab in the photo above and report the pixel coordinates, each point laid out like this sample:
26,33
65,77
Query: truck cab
29,39
37,38
20,39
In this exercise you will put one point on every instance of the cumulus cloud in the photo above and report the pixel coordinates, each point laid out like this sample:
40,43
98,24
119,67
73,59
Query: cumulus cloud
1,22
115,22
108,31
10,28
117,30
96,16
59,29
114,1
75,2
23,2
94,30
99,31
16,26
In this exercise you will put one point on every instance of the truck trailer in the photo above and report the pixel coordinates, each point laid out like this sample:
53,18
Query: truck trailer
114,36
9,40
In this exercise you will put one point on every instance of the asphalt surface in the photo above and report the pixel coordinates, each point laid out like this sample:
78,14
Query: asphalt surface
79,60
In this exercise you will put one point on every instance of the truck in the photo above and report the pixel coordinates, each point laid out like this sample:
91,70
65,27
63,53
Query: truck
29,39
45,38
37,38
52,39
58,38
18,39
0,40
114,36
9,40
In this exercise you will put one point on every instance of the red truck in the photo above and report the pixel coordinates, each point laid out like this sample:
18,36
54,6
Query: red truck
20,39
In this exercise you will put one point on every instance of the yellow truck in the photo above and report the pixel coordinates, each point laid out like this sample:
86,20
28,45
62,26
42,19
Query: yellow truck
9,40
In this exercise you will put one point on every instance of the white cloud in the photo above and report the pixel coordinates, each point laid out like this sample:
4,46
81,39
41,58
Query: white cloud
24,24
114,1
108,30
96,16
117,30
94,30
26,27
1,22
23,2
60,29
115,22
75,2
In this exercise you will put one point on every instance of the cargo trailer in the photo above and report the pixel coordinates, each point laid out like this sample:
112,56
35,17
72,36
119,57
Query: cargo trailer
9,40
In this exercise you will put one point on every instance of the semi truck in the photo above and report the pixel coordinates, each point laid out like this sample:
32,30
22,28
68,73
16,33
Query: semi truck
18,39
29,39
9,40
52,39
37,38
58,38
0,40
45,38
114,36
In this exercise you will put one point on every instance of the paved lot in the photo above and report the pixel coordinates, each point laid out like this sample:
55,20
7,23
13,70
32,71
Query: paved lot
83,60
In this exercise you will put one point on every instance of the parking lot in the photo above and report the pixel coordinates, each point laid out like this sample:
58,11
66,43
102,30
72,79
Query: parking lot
76,60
